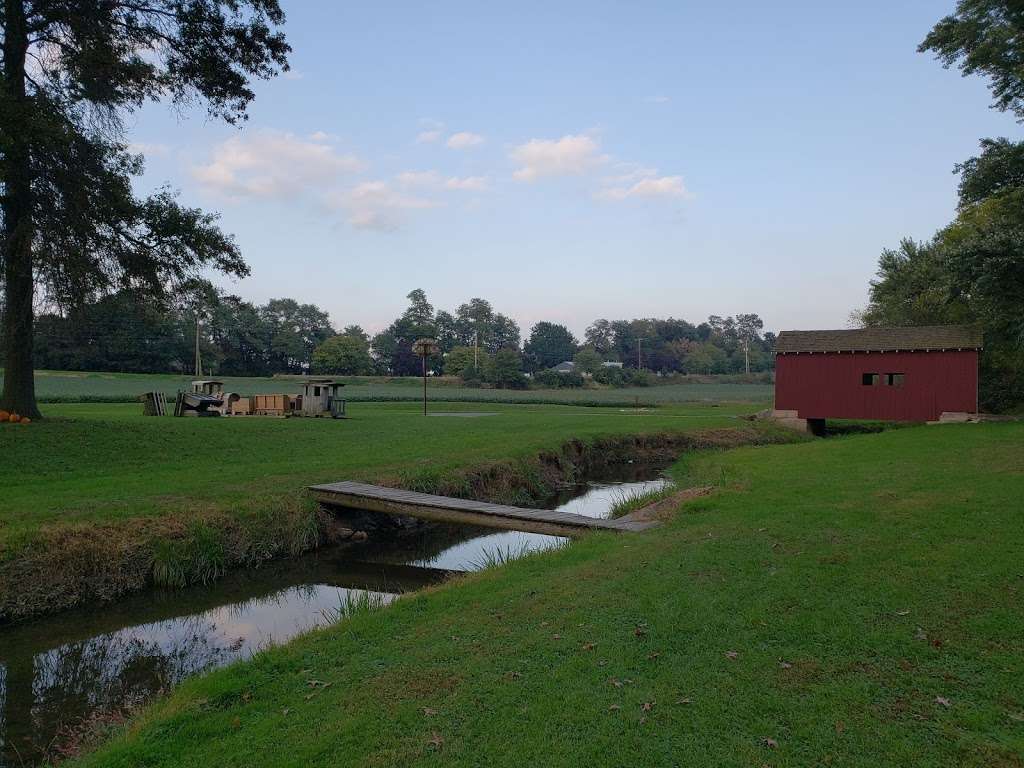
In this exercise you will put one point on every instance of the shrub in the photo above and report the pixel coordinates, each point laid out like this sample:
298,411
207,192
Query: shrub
554,380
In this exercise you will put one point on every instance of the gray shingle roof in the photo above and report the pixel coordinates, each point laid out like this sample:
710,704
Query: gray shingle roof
919,338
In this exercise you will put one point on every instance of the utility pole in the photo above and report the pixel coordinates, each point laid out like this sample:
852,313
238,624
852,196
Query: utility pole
199,364
639,364
476,349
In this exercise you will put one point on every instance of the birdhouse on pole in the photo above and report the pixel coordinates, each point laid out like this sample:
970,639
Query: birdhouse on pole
425,348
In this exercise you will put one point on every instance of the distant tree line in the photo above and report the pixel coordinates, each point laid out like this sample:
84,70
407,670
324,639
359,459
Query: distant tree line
129,333
972,270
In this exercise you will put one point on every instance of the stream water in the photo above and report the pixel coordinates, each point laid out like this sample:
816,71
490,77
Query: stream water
59,673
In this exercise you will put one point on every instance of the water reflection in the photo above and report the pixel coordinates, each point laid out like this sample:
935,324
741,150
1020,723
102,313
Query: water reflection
61,672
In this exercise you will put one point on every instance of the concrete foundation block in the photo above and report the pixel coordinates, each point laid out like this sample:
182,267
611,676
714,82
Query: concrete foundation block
790,420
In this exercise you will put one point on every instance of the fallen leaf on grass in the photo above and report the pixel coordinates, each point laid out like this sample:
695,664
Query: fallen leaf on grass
731,654
785,665
770,743
647,706
653,656
556,637
429,712
840,727
920,634
614,708
902,613
436,740
640,631
686,700
588,646
285,711
942,700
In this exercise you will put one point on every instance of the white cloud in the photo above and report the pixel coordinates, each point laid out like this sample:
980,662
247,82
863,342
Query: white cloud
629,173
464,140
428,137
659,99
293,74
419,178
434,180
651,187
322,136
376,205
469,183
567,156
272,164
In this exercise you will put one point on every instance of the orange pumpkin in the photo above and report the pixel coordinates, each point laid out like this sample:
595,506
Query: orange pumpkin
26,420
14,418
4,415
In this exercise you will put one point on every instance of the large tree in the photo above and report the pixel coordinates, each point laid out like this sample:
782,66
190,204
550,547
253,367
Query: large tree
549,344
345,355
71,226
295,330
392,347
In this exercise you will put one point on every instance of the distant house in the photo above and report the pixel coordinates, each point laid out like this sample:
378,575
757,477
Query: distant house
611,364
891,374
567,367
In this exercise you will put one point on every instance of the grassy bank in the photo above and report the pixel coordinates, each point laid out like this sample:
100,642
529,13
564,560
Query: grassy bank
100,500
854,601
74,386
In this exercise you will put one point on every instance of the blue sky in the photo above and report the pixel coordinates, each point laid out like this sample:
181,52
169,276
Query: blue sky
572,160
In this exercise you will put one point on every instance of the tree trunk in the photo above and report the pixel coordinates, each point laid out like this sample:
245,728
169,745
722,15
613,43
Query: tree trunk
19,394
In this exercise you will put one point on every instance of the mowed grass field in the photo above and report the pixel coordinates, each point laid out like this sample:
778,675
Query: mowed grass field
104,463
853,601
70,386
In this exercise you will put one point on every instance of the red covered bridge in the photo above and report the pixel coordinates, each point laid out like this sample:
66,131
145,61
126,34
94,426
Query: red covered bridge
892,374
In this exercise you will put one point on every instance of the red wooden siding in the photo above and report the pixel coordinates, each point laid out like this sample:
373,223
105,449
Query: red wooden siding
825,385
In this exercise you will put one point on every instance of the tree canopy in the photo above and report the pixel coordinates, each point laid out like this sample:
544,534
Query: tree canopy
347,355
549,344
984,37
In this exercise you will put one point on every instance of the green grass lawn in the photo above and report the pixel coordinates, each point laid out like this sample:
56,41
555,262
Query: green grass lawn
855,601
64,386
100,463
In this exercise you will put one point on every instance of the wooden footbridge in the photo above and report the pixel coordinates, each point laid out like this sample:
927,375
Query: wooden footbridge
394,501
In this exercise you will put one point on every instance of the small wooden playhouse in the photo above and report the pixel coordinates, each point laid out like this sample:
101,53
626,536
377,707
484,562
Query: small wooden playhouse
322,397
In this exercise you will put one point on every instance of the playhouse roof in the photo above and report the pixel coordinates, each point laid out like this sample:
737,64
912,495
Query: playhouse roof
929,338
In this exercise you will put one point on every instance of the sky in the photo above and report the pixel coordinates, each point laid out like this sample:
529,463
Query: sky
575,160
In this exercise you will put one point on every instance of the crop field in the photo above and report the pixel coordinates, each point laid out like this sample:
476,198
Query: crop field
73,386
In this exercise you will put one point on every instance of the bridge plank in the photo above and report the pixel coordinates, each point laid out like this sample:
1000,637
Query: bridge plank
355,495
